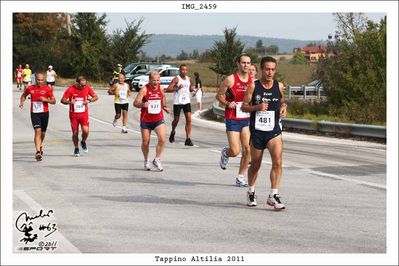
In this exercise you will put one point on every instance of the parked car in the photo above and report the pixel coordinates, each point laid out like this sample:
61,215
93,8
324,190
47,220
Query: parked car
166,76
137,69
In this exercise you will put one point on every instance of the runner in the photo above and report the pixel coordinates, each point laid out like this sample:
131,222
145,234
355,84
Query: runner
181,86
121,90
152,101
253,70
18,76
27,76
50,76
40,96
77,96
266,103
231,94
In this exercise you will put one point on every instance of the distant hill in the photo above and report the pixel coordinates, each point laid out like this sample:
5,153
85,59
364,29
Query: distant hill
173,44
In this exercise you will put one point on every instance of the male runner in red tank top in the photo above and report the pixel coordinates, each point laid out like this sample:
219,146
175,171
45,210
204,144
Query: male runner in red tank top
152,102
40,96
231,94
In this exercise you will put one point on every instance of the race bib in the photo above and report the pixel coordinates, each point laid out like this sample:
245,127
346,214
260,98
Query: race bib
19,75
184,98
37,107
123,95
79,107
154,106
264,120
240,113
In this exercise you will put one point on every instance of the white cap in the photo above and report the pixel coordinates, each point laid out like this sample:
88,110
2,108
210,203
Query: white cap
119,65
50,66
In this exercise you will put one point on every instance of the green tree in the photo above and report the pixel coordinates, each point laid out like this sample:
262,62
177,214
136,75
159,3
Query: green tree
195,54
355,75
298,59
39,39
90,54
225,53
182,56
272,49
259,48
127,43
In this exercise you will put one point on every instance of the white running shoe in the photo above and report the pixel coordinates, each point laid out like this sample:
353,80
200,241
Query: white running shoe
224,159
147,165
124,130
114,122
275,202
240,182
251,199
157,163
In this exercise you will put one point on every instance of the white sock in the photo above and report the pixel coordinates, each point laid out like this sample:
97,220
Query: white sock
240,176
251,189
274,191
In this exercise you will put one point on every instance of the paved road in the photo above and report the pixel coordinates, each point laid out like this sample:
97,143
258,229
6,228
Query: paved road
103,201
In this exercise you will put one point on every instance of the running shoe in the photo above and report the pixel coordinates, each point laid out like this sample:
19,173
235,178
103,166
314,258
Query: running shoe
188,142
251,199
172,137
224,159
275,202
38,156
124,130
84,147
76,153
147,165
157,163
114,122
240,182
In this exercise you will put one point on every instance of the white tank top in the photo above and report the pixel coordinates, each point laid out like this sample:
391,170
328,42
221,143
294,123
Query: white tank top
50,76
121,96
182,96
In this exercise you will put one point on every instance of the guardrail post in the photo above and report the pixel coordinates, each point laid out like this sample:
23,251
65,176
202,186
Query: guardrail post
318,92
289,92
304,91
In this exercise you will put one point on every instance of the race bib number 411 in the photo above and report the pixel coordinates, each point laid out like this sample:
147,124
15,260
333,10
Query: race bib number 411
264,120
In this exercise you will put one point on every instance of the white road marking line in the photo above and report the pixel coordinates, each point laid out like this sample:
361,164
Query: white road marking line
371,184
67,246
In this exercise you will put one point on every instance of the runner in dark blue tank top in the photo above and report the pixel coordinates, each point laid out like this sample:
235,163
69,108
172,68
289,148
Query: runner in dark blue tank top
266,103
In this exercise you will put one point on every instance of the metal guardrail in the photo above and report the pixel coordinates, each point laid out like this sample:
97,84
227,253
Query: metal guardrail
304,92
324,126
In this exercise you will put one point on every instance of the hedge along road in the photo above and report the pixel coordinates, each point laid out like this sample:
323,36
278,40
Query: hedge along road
104,202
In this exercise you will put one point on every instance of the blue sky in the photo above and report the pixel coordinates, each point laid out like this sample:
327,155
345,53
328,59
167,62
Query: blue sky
300,26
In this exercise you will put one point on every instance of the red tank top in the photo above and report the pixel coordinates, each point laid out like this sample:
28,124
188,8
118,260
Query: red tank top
37,106
154,111
236,93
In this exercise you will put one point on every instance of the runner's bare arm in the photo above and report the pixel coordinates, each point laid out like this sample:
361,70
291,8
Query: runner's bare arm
23,98
93,98
50,100
172,85
191,86
283,108
246,105
224,86
111,91
138,102
165,107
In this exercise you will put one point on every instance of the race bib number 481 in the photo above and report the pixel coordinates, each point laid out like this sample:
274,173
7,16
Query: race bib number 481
264,120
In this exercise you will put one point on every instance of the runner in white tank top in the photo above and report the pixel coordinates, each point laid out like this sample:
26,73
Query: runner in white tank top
181,86
121,90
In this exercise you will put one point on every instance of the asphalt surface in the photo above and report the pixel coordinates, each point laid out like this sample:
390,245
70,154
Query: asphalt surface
104,202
